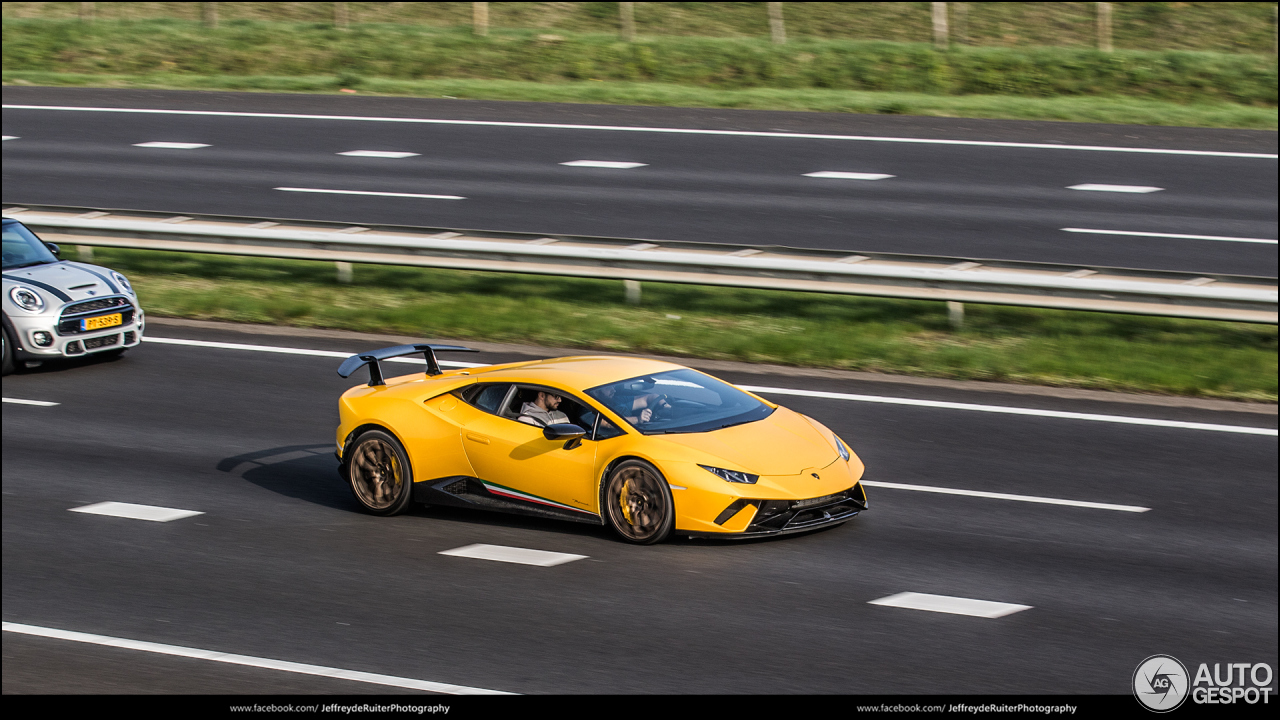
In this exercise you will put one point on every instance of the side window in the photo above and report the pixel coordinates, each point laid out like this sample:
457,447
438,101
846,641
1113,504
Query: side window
606,429
486,396
525,396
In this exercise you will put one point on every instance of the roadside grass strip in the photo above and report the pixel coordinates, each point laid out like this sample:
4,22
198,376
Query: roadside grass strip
951,605
1175,236
136,512
250,661
521,556
1242,429
629,128
1006,496
37,403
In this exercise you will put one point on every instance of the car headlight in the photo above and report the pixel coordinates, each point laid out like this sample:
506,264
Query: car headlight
122,281
26,298
732,476
844,451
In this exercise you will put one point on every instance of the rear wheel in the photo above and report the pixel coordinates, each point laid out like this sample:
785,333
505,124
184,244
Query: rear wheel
380,475
8,351
638,503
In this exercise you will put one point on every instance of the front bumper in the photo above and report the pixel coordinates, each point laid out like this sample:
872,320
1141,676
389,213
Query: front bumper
786,517
67,345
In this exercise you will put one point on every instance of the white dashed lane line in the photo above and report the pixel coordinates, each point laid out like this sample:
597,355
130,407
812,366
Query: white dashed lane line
521,556
604,164
1175,236
366,192
37,403
1006,496
10,137
848,175
136,512
951,605
378,154
249,661
1099,187
171,145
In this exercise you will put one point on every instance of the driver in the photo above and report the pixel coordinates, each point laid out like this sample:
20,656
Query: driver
639,410
542,411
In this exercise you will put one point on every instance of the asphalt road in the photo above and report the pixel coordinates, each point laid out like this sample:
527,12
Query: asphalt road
966,199
282,565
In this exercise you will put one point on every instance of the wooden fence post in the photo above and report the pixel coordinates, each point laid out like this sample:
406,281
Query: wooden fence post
776,27
627,10
480,18
940,25
1104,26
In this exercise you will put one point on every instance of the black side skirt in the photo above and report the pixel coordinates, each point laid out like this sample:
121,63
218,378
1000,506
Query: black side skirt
468,492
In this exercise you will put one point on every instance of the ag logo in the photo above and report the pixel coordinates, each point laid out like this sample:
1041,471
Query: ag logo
1160,683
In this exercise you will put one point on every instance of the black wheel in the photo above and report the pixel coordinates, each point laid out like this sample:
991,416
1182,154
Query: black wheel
638,503
8,351
380,475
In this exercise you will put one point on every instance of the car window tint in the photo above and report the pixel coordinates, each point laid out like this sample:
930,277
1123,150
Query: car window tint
487,396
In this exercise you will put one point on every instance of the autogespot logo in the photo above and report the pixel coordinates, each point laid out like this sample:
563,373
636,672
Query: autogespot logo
1160,683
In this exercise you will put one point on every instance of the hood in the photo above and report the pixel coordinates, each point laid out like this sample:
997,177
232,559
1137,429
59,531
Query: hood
78,281
782,444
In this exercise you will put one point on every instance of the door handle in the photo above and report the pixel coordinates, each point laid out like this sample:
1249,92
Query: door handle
478,438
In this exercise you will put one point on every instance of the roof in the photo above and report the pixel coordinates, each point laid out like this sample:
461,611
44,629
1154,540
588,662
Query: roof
579,372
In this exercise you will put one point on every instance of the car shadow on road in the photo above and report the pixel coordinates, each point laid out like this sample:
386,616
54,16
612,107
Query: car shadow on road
304,472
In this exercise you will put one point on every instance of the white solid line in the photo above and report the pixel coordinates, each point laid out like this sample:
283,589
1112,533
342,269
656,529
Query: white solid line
136,512
247,660
365,192
1099,187
377,154
294,351
39,403
1177,236
1006,496
848,175
948,604
604,164
625,128
522,556
785,391
171,145
10,137
1016,411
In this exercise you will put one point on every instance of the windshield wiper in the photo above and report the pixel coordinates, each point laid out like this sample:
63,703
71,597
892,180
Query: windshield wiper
22,265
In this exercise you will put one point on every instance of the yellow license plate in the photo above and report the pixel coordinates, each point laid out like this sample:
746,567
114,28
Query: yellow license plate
98,323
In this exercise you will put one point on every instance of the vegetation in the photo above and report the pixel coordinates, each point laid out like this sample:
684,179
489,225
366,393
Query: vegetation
1023,345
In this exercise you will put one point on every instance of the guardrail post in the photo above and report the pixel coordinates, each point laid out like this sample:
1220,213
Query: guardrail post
86,12
209,14
627,11
777,29
955,314
633,291
480,18
1104,26
85,252
940,25
340,16
344,272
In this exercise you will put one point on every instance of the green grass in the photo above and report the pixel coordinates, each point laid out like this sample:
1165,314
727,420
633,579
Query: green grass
1121,110
1021,345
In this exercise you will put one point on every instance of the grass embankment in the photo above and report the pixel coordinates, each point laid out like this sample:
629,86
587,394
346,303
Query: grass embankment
1056,83
1046,347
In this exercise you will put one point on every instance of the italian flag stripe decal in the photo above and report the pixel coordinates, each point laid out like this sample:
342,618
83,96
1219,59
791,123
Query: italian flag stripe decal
517,495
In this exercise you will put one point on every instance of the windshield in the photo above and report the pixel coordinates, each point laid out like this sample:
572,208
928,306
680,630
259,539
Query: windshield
679,401
23,248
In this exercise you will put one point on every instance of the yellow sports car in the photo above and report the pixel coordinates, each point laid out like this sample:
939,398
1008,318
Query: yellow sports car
650,448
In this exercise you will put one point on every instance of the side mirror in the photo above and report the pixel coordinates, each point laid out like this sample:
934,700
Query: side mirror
57,251
571,434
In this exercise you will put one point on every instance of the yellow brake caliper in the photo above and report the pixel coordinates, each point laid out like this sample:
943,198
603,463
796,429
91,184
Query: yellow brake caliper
623,501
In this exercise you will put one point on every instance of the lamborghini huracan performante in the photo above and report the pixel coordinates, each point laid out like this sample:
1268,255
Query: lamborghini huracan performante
649,448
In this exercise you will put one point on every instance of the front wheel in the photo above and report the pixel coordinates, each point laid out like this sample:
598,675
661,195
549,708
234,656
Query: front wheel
8,351
638,503
380,474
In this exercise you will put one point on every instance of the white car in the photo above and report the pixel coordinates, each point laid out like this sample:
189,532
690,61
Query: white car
55,308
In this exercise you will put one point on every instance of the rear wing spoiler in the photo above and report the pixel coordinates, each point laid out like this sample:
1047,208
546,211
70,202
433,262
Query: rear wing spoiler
371,358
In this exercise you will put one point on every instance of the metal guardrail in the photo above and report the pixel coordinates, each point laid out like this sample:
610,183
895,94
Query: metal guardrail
957,280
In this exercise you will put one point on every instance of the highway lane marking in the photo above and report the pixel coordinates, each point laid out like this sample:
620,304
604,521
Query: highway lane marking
366,192
250,661
136,512
38,403
378,154
10,137
171,145
1006,496
627,128
1100,187
848,175
1177,236
521,556
605,164
949,604
1244,429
